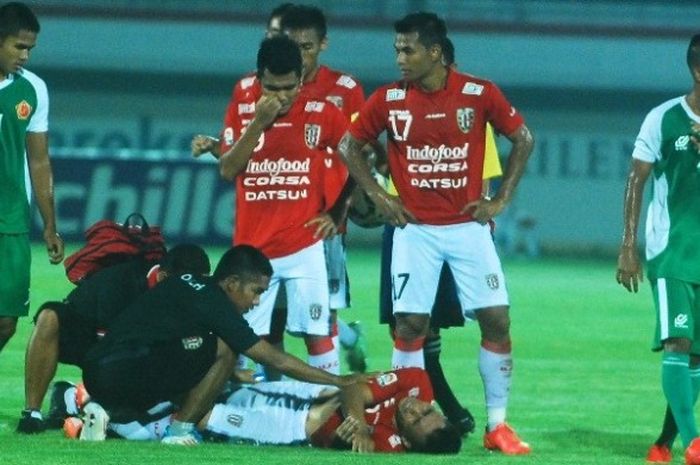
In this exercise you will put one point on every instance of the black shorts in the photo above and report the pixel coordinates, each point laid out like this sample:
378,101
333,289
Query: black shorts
138,376
76,335
446,311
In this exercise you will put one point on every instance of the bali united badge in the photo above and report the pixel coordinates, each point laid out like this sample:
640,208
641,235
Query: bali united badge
465,119
312,135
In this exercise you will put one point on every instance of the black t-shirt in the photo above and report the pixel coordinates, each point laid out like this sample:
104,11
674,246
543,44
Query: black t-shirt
182,307
104,295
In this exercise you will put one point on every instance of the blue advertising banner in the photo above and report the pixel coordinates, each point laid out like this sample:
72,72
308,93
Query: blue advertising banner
187,199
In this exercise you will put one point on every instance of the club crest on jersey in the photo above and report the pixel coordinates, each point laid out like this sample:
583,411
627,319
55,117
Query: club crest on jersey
192,343
315,311
492,281
465,119
336,100
23,110
312,135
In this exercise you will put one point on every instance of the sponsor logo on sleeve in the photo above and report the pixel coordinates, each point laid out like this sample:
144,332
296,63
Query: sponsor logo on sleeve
314,107
395,94
465,119
244,108
228,136
472,88
385,379
247,82
394,441
346,81
336,100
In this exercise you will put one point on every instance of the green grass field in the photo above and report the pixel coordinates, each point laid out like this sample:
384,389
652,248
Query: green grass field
585,391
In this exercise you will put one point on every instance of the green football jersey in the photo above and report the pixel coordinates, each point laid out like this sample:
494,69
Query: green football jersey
24,106
673,216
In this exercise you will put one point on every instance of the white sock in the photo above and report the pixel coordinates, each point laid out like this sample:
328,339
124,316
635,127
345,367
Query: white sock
348,337
495,369
324,355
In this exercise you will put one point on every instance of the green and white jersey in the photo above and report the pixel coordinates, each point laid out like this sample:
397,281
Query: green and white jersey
673,217
24,107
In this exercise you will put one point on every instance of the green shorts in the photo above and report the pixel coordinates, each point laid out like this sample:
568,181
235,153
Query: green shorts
15,260
677,306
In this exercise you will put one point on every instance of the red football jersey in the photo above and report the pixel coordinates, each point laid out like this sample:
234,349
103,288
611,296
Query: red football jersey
436,141
387,391
282,186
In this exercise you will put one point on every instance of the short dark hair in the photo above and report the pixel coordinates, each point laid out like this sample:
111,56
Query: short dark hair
279,55
15,17
446,440
243,260
430,28
279,10
693,55
448,52
184,259
305,17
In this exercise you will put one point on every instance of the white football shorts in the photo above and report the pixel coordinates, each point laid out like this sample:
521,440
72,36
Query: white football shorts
266,413
417,257
304,276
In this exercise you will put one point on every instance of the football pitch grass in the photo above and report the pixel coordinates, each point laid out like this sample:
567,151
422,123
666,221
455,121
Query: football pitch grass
586,387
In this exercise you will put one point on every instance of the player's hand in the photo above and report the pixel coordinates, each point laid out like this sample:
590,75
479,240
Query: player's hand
266,110
347,380
347,429
362,441
54,246
484,209
629,268
695,136
245,376
391,207
325,226
202,144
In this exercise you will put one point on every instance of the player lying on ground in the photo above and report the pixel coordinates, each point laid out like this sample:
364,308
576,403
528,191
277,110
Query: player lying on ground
391,412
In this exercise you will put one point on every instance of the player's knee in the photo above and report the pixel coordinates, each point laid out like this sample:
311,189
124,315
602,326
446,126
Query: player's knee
47,323
411,326
677,344
8,327
494,323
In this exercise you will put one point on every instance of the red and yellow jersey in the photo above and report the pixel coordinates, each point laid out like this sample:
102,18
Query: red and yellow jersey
285,183
388,389
436,141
